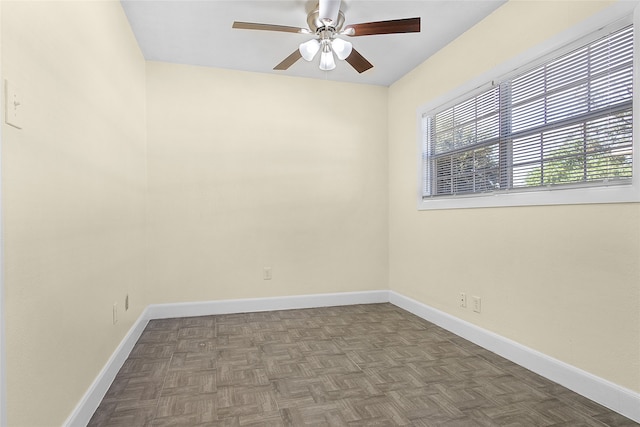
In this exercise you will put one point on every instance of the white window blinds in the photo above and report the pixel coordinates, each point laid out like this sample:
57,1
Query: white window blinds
565,123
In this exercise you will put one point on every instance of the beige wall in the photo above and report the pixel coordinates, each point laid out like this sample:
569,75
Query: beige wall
251,170
73,198
563,280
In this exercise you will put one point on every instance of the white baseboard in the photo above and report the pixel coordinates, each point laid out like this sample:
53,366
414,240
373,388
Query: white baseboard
91,400
94,395
606,393
205,308
619,399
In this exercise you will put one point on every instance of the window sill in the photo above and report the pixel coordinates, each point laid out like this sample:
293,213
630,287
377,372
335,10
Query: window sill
623,193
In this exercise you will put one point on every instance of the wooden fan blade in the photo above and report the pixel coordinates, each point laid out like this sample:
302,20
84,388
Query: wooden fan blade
288,61
407,25
269,27
358,61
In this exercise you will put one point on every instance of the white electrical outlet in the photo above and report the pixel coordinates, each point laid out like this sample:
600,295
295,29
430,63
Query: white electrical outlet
13,106
115,313
463,300
477,304
267,274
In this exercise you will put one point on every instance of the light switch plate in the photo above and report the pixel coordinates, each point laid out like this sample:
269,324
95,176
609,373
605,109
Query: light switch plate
13,106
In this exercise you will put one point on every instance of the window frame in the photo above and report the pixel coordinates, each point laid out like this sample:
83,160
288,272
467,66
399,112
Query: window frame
610,20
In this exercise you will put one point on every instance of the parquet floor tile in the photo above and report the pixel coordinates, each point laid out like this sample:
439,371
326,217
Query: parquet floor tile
363,365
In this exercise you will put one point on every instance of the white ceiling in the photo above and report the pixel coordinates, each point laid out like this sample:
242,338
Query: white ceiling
198,32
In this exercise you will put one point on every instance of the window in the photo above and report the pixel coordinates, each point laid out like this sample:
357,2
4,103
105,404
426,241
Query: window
565,125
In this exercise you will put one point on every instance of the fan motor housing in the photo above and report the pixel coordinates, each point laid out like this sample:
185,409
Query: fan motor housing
316,25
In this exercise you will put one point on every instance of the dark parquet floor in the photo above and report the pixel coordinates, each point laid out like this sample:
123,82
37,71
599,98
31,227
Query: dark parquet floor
363,365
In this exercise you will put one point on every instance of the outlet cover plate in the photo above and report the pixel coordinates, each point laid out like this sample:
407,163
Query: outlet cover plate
477,304
13,106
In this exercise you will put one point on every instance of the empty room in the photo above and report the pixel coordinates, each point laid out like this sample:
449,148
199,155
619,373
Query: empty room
354,212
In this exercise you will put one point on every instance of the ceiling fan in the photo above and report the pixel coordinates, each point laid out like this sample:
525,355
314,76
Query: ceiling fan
327,23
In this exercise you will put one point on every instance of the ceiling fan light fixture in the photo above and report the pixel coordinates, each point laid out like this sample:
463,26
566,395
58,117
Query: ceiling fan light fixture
309,49
326,21
341,48
327,62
